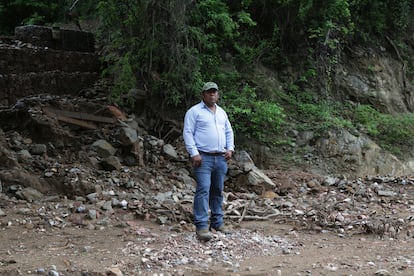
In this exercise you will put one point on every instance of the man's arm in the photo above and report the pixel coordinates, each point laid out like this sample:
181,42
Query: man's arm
188,133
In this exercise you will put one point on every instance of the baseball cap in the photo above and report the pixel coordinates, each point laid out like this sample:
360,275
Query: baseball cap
210,85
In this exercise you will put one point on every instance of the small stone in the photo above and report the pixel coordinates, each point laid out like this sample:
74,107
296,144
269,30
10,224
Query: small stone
107,206
53,273
114,271
123,203
92,214
382,272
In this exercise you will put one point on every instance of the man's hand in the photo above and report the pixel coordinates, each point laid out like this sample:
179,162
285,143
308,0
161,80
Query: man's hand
196,160
228,154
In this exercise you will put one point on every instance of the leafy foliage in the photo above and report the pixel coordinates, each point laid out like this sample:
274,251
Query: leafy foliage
368,117
306,111
393,132
381,16
254,118
178,41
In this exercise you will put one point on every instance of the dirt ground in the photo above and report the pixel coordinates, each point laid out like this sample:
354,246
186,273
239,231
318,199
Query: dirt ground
80,251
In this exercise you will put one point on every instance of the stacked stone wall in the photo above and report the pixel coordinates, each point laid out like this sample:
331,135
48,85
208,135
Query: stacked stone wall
30,66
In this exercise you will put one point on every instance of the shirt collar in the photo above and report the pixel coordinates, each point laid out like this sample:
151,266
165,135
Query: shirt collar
205,106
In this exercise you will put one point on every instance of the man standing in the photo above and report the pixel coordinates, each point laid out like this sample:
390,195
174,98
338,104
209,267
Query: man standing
208,138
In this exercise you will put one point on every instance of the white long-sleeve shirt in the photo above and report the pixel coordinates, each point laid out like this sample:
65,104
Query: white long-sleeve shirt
207,131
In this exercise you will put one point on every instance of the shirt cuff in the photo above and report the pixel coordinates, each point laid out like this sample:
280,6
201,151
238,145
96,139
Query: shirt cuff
194,153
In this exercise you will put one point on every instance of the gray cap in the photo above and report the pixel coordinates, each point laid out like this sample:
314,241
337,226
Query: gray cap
210,85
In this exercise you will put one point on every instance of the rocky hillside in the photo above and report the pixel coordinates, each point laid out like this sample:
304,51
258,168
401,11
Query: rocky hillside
58,62
372,75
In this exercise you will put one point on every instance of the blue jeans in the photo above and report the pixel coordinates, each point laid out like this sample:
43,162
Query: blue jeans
209,192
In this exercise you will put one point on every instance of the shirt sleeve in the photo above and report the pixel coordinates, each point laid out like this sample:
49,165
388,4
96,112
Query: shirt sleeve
229,135
188,132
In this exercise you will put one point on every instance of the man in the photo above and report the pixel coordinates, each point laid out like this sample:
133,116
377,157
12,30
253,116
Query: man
209,140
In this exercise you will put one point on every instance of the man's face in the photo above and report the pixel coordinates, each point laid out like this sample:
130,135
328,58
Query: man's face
210,97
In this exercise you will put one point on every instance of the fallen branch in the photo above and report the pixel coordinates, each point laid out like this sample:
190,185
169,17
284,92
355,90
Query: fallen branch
243,214
254,217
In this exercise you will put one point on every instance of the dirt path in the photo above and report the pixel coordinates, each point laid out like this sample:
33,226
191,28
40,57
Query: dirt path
135,249
327,253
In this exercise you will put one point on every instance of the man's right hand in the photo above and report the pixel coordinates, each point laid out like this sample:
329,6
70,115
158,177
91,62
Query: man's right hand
196,160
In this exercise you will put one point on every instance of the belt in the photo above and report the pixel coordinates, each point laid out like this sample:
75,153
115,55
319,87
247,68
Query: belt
212,153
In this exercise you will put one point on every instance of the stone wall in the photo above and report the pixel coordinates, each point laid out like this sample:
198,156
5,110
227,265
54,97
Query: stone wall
56,38
37,64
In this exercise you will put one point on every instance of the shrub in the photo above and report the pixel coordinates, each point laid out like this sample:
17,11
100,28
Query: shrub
256,119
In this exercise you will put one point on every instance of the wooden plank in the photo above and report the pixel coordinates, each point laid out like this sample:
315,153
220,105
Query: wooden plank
69,120
77,122
80,115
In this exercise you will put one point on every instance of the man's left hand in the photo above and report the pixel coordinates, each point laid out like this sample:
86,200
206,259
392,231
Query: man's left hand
228,154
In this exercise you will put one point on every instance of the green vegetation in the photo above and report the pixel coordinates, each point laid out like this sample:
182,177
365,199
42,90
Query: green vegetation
171,47
24,12
256,119
394,132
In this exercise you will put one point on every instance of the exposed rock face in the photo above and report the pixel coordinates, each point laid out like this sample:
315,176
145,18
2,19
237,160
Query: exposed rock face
344,153
365,76
338,152
374,77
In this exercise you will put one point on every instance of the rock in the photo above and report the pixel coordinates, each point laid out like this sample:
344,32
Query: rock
382,272
161,197
114,271
270,195
187,180
123,203
92,214
107,206
38,149
162,220
244,161
128,136
304,138
30,194
256,177
24,155
53,273
8,159
169,150
92,197
111,163
386,193
360,155
23,178
103,148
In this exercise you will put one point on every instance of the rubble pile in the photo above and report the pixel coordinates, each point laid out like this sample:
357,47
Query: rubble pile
77,162
180,248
